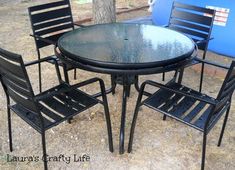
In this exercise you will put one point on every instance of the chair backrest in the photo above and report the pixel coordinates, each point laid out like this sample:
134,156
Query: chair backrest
50,21
228,84
194,21
15,81
227,88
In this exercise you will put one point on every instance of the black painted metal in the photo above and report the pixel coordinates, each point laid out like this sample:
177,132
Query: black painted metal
49,108
49,22
188,106
192,21
131,72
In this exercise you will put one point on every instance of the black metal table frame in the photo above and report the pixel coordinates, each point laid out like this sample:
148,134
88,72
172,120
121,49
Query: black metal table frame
126,77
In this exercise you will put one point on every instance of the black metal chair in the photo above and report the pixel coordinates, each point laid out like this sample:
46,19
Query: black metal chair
49,108
49,22
188,106
197,23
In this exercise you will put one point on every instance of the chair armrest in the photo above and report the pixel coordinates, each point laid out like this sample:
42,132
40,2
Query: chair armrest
40,61
79,25
166,26
165,87
211,63
204,41
57,90
43,39
44,60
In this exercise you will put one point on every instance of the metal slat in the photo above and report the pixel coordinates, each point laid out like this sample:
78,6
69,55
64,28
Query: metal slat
161,96
48,5
182,107
200,122
170,102
10,67
195,26
227,91
10,56
55,29
17,88
189,32
52,23
82,97
53,14
195,8
49,113
52,103
27,103
189,117
192,17
30,118
22,83
68,100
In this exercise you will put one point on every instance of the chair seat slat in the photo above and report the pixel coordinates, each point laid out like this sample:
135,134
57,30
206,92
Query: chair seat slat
182,107
50,113
54,104
83,98
201,121
69,101
171,102
193,113
30,118
159,97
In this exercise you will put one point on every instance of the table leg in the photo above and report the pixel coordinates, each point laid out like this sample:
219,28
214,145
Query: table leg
123,118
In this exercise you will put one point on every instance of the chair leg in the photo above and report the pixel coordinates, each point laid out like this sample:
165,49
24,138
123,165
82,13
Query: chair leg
163,76
136,84
223,127
40,77
70,120
203,151
164,117
75,74
201,77
181,76
44,150
113,84
128,90
9,128
66,76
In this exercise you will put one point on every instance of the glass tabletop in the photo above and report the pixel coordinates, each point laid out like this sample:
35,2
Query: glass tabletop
126,45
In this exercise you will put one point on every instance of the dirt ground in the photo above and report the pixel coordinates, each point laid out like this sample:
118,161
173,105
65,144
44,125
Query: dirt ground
158,145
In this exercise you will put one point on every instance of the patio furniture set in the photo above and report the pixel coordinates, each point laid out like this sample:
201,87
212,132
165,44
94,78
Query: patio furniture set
124,51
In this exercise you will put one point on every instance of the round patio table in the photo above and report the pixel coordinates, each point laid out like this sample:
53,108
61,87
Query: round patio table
125,51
